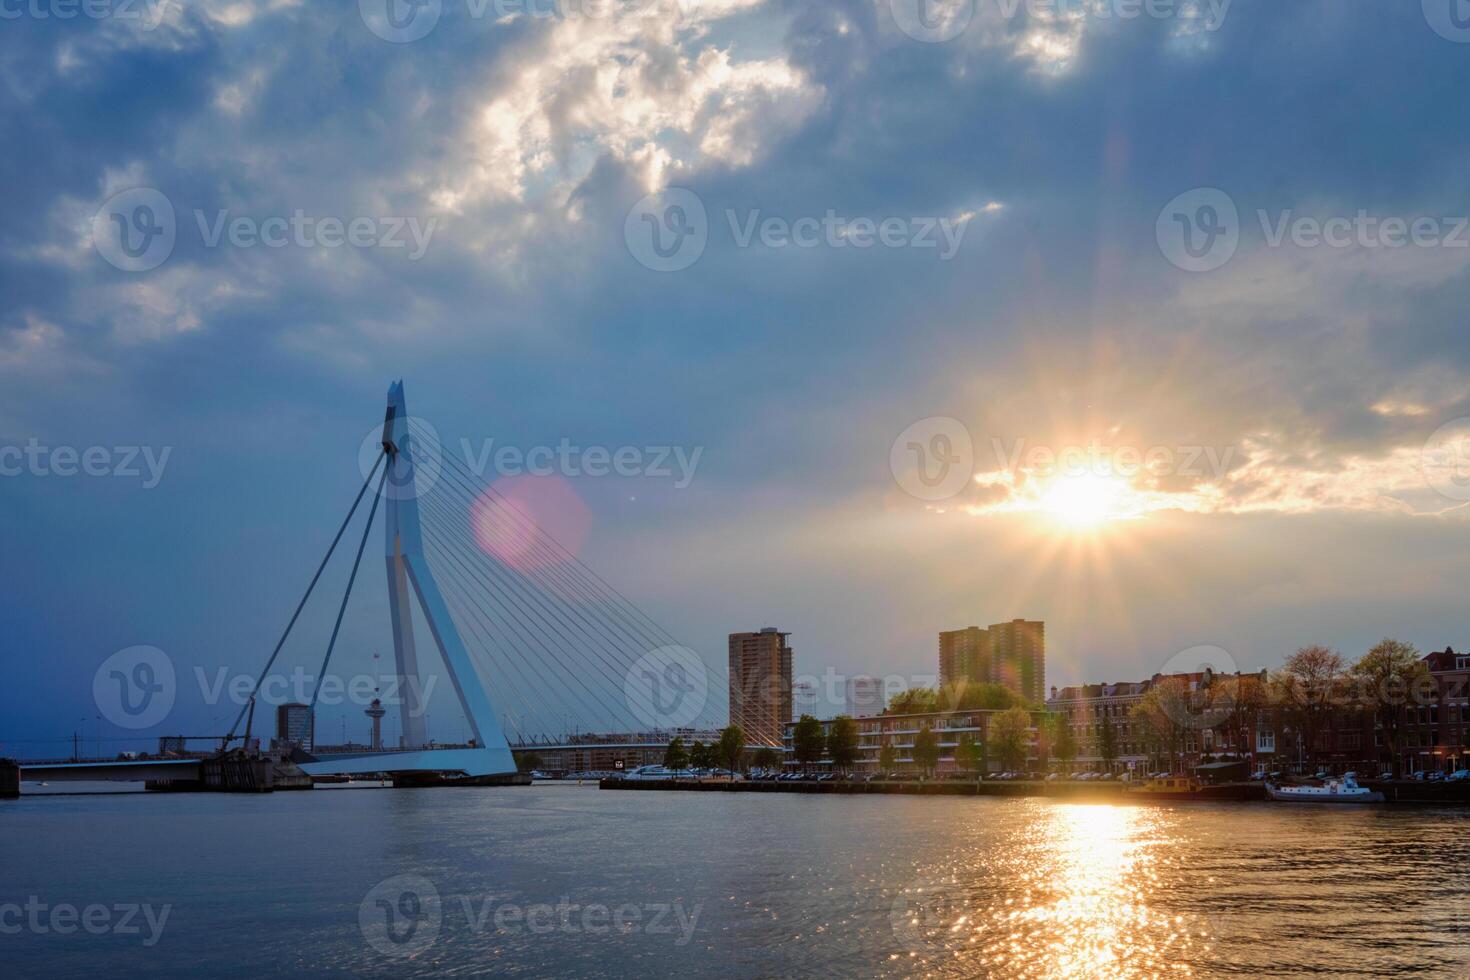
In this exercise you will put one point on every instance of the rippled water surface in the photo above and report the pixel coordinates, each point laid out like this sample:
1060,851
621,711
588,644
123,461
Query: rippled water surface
566,881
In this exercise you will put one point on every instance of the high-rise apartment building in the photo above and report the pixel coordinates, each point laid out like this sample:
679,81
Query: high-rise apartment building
1012,655
294,724
964,655
1018,657
760,684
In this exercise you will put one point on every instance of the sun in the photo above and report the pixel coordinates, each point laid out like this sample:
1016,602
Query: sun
1085,500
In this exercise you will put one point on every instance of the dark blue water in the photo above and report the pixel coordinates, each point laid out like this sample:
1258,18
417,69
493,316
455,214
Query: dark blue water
575,882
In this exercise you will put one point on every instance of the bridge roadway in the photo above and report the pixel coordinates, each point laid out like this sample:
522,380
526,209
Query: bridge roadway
470,761
461,759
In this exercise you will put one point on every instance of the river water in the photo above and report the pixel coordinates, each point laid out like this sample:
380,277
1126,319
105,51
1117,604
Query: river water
568,881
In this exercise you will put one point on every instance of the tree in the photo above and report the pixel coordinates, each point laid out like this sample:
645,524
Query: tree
1064,743
966,695
1391,675
1010,734
926,749
675,756
767,758
730,749
971,754
1164,716
700,756
842,742
807,742
914,701
1306,686
887,757
1107,744
1246,698
528,761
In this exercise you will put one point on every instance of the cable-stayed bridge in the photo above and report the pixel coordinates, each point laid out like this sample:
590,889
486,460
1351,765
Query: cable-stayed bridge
536,644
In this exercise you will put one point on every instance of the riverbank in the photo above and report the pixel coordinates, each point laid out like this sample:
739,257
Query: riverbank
1403,792
1103,792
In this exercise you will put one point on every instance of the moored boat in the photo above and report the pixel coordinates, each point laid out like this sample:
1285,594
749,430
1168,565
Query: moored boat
1343,790
1162,788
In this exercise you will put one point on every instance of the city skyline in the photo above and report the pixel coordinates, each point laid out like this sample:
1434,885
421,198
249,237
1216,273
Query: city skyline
1290,435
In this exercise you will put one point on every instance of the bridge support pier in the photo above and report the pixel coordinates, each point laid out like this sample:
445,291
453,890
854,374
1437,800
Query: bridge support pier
9,779
237,772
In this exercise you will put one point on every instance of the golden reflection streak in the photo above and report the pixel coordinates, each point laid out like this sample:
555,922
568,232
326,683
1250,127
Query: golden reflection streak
1086,901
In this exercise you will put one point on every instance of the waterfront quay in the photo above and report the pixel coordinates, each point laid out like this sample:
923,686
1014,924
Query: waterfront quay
1072,791
1401,792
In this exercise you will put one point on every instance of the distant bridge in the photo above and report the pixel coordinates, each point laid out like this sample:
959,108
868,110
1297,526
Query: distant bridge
524,629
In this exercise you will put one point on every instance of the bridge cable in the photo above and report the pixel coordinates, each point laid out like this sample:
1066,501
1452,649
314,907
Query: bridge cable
302,604
614,671
373,512
569,571
565,569
522,615
578,581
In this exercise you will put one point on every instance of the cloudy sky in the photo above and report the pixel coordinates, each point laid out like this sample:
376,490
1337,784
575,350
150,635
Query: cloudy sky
1144,320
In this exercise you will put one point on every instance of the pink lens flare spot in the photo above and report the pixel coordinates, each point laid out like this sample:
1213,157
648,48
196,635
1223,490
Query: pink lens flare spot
512,520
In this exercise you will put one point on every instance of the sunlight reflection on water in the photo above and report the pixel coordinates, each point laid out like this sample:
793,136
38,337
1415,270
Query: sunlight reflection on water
1078,886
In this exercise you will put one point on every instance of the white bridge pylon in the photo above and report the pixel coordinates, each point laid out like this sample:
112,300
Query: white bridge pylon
409,575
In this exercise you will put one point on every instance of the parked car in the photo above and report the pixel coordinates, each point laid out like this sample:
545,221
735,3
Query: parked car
1459,775
1053,777
1436,776
1107,776
1418,774
1258,776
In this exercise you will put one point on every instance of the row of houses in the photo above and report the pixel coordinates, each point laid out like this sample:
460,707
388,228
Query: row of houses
1432,729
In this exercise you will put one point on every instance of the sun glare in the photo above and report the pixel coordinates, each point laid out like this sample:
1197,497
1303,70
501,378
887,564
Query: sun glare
1085,500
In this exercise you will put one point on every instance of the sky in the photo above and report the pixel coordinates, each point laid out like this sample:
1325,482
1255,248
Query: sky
1145,320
